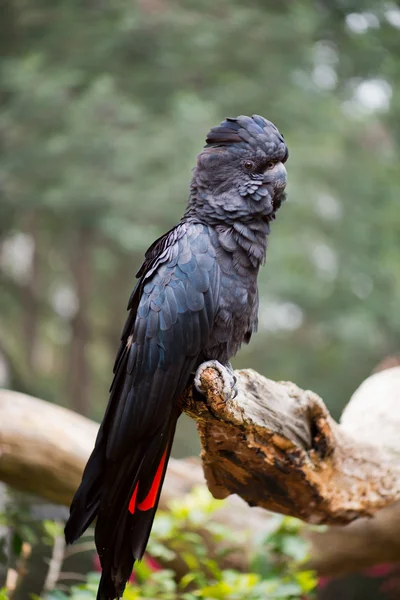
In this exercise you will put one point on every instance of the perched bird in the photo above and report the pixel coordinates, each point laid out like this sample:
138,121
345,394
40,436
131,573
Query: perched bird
195,303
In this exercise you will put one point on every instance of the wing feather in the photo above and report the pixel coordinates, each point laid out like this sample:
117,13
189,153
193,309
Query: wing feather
162,341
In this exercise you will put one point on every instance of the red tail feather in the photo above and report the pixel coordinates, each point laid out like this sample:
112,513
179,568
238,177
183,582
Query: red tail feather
132,502
151,497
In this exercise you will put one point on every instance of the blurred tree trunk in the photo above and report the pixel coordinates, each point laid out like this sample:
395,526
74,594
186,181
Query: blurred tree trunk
118,280
78,372
30,295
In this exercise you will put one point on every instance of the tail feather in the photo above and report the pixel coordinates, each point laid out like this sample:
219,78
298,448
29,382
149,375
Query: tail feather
124,496
86,502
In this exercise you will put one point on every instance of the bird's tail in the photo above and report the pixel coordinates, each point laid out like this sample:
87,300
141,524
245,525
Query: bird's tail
124,496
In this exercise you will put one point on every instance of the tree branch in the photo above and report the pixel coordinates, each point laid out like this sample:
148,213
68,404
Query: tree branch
44,449
275,445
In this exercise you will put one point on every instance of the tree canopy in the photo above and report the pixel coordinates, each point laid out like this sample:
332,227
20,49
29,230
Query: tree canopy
104,107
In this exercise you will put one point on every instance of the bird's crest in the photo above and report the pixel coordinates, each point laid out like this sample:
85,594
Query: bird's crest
242,129
245,131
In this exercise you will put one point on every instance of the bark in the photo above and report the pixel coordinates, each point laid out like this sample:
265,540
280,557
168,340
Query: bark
275,445
366,542
362,544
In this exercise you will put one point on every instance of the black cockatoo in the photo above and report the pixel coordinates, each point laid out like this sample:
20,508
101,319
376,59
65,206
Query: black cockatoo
196,301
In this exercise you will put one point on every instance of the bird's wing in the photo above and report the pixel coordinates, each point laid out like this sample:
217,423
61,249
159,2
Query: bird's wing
171,316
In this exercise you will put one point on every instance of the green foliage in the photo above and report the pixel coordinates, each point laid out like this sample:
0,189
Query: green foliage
104,109
186,533
51,530
17,518
283,553
86,591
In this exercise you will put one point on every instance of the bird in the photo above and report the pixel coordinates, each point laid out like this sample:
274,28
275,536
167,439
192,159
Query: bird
194,304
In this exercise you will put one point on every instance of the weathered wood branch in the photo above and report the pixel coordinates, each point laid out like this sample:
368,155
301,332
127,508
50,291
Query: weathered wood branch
372,415
44,449
275,445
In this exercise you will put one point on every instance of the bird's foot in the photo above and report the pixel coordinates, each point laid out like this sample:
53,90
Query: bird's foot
227,374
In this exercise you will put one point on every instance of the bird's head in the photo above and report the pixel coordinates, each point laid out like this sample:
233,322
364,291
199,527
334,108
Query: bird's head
240,174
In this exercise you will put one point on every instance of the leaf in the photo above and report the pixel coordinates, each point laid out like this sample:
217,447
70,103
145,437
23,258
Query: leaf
218,591
286,590
142,570
191,560
52,529
295,548
307,580
160,551
187,580
213,568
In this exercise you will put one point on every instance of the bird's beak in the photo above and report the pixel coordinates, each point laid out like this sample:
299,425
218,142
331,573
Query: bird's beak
277,177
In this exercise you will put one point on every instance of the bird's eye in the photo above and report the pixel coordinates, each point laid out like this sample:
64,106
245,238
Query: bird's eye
249,165
270,165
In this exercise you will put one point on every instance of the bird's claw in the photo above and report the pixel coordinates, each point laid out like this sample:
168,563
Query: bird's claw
227,374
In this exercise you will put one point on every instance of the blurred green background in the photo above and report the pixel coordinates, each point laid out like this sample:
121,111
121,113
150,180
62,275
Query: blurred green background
104,106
